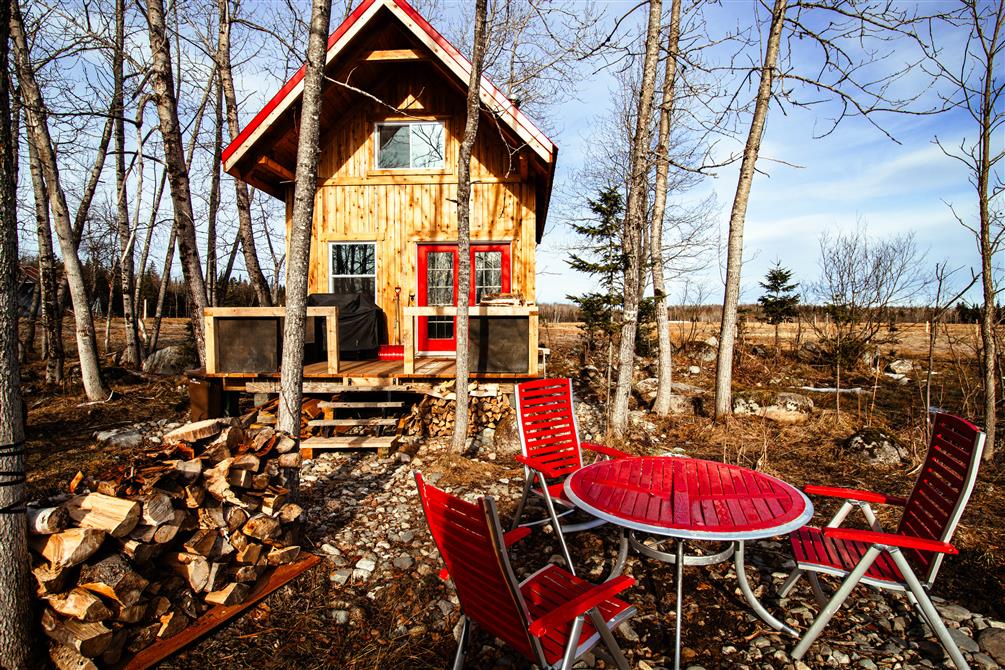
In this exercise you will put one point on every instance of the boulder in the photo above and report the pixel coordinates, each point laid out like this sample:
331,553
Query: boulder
506,441
781,407
794,402
172,360
876,446
688,389
120,439
810,352
705,352
761,350
992,643
899,366
685,405
646,389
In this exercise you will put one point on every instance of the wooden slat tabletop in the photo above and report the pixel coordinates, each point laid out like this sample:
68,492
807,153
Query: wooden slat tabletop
689,498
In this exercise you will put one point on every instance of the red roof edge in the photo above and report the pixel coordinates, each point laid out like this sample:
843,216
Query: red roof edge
517,117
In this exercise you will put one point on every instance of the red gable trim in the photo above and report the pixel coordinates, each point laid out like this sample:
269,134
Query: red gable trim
507,110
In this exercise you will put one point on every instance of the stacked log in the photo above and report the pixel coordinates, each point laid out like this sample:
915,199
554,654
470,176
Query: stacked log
434,415
138,555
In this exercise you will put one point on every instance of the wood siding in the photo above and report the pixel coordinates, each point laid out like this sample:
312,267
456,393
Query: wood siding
399,209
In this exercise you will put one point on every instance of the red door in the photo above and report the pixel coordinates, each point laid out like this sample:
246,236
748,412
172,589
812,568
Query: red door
437,274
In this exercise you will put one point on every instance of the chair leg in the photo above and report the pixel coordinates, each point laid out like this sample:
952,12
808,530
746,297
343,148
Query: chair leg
573,644
461,644
555,523
790,581
527,480
835,603
818,591
928,609
608,637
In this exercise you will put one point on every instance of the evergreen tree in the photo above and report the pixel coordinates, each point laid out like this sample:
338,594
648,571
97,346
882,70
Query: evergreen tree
602,257
780,301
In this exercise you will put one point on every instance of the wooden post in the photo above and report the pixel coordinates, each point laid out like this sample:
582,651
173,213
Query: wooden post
331,326
210,335
408,331
532,363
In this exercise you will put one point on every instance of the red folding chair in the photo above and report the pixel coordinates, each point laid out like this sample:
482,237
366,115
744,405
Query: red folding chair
549,440
552,617
889,560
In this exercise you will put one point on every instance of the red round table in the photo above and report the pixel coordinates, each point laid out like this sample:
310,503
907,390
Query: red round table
690,499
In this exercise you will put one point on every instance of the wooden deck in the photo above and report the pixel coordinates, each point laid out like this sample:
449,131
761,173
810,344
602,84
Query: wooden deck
360,375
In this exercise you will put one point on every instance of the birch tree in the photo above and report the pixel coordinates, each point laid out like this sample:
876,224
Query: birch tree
18,639
37,125
473,111
302,223
634,222
977,89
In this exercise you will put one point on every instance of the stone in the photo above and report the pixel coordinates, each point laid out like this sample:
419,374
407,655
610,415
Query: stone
794,402
687,389
403,562
341,617
876,446
172,360
123,439
984,661
963,641
694,370
646,389
953,612
992,643
705,352
900,366
810,352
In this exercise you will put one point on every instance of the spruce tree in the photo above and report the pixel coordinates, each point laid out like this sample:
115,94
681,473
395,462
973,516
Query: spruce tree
780,301
602,257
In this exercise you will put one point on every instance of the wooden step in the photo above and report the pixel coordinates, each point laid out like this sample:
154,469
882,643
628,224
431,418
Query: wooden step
361,404
320,386
353,422
382,444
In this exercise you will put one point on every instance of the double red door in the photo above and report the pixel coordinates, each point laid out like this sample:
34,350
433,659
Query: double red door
437,275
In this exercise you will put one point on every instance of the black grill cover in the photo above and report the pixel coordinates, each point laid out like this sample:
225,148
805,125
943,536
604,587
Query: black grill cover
359,320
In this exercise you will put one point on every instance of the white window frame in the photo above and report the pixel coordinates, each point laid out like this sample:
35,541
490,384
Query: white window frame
376,145
331,264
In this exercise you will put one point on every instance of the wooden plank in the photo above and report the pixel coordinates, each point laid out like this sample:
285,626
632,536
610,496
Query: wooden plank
332,423
275,168
349,442
331,324
532,361
408,330
265,311
474,310
392,55
219,616
210,336
384,404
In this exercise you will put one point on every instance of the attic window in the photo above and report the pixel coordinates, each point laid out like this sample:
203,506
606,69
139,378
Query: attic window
410,145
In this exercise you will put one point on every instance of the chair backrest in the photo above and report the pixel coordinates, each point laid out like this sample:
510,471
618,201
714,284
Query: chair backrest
940,494
469,538
547,423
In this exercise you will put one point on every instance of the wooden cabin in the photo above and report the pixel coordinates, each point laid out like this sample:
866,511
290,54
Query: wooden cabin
385,219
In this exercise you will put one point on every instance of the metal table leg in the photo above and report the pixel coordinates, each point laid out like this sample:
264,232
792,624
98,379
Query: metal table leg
755,604
619,563
680,594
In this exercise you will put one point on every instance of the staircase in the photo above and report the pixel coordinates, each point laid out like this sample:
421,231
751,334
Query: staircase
359,420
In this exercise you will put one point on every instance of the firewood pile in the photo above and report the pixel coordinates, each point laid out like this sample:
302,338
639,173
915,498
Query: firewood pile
434,415
139,554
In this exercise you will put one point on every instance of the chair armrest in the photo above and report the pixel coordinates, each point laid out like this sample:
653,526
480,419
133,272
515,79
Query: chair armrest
855,494
545,469
891,539
604,450
579,605
509,539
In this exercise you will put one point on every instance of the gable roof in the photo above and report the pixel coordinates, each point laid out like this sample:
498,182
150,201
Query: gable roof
446,54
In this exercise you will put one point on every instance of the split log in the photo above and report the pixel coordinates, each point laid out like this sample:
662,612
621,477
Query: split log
261,481
172,623
139,552
212,518
193,432
283,555
291,460
189,470
70,547
113,654
285,444
166,532
195,495
156,509
272,502
130,614
217,577
114,578
261,527
194,568
216,483
65,658
235,517
117,516
80,605
240,478
248,574
245,462
249,554
143,637
232,594
47,520
87,639
290,513
201,542
50,579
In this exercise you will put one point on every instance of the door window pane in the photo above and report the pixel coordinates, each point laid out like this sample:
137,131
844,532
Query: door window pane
440,291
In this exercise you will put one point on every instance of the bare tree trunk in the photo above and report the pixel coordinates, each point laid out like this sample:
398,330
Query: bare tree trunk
734,245
162,82
18,636
464,227
51,320
132,356
28,346
162,291
302,223
251,263
38,134
113,275
214,198
661,405
224,283
635,213
151,224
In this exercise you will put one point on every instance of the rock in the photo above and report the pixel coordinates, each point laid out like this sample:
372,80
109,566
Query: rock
761,350
125,439
781,415
694,370
712,341
782,407
794,402
688,389
900,366
684,405
403,562
705,352
992,643
809,352
506,441
953,612
963,641
341,617
589,418
646,389
876,446
172,360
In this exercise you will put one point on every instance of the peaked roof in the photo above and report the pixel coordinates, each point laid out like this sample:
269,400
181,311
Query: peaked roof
448,55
